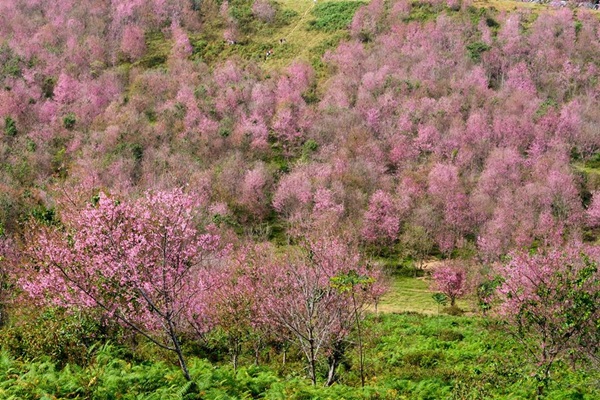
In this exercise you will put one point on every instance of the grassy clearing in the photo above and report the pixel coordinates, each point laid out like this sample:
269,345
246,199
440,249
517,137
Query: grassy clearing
413,295
302,41
295,25
509,5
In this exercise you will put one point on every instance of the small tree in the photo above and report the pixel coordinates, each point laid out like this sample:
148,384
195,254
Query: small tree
7,256
133,44
305,300
143,262
551,303
440,299
263,10
381,221
593,211
449,279
350,283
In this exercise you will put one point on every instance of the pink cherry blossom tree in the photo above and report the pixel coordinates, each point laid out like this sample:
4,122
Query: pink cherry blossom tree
144,262
133,44
593,211
381,221
263,10
450,279
551,301
304,301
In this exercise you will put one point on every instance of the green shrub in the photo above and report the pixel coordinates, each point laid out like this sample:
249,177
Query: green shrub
10,127
476,49
55,334
69,121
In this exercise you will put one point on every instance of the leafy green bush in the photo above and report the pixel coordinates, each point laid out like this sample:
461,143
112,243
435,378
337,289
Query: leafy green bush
69,121
54,333
476,49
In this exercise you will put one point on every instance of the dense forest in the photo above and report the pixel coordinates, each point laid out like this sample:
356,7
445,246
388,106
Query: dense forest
299,199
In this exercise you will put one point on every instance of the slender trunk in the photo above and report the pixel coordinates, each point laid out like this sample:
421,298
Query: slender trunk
284,357
257,347
235,352
178,350
331,373
544,379
360,344
313,362
334,360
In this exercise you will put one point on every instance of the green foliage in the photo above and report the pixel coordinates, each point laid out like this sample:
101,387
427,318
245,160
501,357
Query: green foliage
410,356
10,127
59,162
241,10
308,148
43,215
53,333
546,106
594,161
316,53
333,16
157,52
10,63
69,121
285,17
440,298
137,150
485,291
30,145
453,310
578,26
423,12
476,49
225,127
48,86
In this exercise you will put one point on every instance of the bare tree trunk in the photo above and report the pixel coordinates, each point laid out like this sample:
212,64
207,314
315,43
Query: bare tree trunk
334,361
313,362
257,347
331,373
360,344
178,350
284,358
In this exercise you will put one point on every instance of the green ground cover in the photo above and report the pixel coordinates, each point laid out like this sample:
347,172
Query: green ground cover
409,356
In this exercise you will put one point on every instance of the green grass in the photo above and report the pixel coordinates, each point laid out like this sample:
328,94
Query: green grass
333,16
306,38
413,295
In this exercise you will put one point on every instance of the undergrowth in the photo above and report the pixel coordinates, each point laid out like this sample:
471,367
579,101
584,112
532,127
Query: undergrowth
409,356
